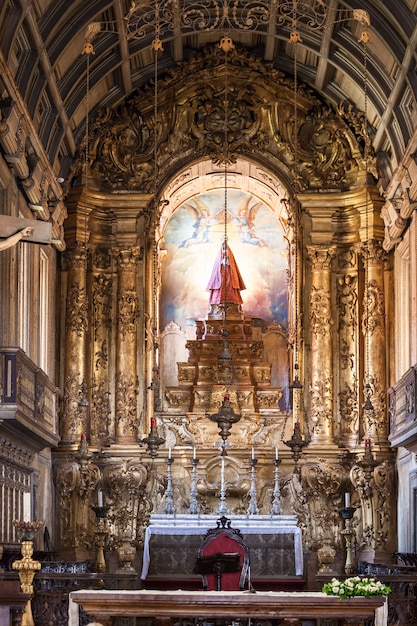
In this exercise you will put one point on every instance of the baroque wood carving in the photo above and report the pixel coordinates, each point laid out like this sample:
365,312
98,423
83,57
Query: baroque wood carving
190,125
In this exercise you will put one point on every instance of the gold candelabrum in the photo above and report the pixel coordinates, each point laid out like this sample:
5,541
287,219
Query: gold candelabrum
26,566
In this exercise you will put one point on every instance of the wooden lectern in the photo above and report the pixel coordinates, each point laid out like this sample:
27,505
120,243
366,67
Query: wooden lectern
218,564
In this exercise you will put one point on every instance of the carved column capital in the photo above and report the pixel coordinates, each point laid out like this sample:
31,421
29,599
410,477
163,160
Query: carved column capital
321,256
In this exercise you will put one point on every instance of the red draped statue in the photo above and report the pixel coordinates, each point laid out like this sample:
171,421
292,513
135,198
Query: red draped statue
225,282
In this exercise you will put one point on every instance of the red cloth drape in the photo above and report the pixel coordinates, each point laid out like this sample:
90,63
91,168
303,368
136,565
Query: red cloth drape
225,282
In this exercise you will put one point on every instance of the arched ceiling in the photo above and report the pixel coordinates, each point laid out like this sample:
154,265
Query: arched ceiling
42,44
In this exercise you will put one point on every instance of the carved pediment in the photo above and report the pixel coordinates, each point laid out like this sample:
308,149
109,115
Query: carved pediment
192,103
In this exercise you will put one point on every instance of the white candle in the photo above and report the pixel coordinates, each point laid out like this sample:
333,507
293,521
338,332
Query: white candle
100,498
347,500
194,453
169,452
253,453
276,454
222,476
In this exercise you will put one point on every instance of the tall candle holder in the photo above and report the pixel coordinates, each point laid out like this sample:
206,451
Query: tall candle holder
223,508
276,495
169,500
100,535
253,504
194,508
347,513
26,566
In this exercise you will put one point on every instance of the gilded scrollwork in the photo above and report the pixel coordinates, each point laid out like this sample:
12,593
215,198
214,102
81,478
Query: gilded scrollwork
71,400
259,113
76,314
125,484
374,313
125,414
320,311
128,312
349,409
100,410
102,303
321,414
347,300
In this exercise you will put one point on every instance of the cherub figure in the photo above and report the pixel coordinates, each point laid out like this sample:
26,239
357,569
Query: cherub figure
245,222
203,223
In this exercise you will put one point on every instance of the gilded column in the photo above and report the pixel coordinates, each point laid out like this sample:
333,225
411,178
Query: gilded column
321,390
347,303
101,337
373,325
73,418
127,315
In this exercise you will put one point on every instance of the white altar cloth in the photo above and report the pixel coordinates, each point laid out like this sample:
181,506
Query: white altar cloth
198,525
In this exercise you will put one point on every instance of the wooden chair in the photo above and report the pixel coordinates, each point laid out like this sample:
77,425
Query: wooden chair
223,558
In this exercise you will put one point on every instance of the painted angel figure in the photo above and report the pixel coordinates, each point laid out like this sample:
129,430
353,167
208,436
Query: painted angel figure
245,223
202,225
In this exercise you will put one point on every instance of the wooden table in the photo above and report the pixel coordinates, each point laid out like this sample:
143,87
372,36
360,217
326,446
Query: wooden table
290,608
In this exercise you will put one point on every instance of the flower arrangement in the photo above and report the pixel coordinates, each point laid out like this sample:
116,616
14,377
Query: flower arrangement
356,586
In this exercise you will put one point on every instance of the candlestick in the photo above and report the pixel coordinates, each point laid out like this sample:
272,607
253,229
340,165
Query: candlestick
253,505
194,507
276,496
222,505
169,500
222,475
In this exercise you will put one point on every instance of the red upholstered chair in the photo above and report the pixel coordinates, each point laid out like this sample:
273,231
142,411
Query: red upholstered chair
223,558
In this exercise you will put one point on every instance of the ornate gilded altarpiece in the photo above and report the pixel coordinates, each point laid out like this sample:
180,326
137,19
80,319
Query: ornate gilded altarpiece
131,367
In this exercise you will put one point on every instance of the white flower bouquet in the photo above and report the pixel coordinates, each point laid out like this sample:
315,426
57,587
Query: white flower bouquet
356,586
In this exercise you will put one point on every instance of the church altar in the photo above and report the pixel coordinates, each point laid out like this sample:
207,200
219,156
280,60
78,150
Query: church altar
274,542
289,608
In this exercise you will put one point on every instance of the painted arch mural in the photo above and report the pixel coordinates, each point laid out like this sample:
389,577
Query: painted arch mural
191,241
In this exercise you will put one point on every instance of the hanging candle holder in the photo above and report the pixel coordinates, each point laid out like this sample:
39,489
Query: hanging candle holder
296,443
153,441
